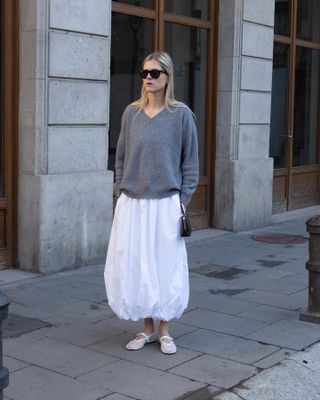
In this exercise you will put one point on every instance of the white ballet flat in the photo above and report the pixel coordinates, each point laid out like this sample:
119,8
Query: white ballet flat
138,343
167,345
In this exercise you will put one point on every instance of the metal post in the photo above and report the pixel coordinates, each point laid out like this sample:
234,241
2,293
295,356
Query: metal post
312,314
4,373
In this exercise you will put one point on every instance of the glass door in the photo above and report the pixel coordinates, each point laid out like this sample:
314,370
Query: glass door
186,30
294,134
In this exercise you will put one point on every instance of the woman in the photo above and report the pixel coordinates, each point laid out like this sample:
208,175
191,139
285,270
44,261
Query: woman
156,169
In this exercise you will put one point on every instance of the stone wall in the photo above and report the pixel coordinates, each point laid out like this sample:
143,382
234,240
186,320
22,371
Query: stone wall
244,171
65,189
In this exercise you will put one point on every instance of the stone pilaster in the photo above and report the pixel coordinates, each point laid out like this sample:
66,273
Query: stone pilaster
65,189
244,171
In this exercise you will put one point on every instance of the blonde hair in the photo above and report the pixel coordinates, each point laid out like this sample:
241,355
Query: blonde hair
166,63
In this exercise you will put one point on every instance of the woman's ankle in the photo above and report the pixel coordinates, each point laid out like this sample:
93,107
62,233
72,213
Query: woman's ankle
148,326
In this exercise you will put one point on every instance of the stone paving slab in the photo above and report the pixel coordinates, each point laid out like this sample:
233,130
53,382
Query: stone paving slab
215,371
219,322
117,396
13,364
290,302
268,285
218,302
268,314
289,333
226,346
150,356
141,383
77,289
80,334
274,359
34,383
77,308
15,275
29,311
16,325
57,356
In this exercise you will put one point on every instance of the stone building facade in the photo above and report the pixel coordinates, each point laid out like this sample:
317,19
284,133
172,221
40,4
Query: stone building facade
66,107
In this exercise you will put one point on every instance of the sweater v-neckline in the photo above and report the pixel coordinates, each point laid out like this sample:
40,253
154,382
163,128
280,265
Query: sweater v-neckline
154,116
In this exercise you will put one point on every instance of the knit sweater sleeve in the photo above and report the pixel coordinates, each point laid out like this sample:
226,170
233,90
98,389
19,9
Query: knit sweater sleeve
120,153
190,159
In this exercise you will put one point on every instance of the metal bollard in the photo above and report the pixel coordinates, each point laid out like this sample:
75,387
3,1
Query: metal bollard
4,373
312,314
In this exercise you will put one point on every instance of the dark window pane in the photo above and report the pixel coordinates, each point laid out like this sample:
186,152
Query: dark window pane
306,111
279,103
137,3
188,47
308,20
195,9
282,17
132,40
1,109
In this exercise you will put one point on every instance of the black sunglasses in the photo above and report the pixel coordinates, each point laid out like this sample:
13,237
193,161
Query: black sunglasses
154,73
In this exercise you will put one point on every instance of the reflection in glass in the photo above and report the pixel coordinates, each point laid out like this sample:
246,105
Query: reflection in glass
282,17
132,40
306,111
188,47
1,110
278,127
308,20
195,9
137,3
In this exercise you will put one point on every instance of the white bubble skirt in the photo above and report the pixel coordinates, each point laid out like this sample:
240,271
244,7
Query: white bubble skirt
146,272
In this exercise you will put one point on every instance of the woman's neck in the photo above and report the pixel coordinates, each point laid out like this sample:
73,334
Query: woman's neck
155,101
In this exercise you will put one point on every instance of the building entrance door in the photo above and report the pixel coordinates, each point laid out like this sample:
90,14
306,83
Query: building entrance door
9,126
186,30
295,122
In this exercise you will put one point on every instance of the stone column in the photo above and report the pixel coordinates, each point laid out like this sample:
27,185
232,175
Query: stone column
243,170
65,189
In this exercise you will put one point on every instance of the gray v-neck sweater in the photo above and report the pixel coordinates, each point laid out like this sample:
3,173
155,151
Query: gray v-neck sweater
157,157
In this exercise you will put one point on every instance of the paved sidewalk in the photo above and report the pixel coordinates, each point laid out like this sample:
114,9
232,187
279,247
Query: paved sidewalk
63,342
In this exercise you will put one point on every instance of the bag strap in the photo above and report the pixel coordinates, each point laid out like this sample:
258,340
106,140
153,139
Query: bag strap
183,209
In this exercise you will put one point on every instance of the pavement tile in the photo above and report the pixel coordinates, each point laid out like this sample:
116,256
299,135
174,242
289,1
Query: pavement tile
215,371
120,325
74,308
79,290
35,383
13,364
290,302
218,302
206,393
80,334
219,322
268,314
226,346
228,396
150,355
268,285
301,277
274,358
16,325
10,275
117,396
290,333
28,311
57,356
141,383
